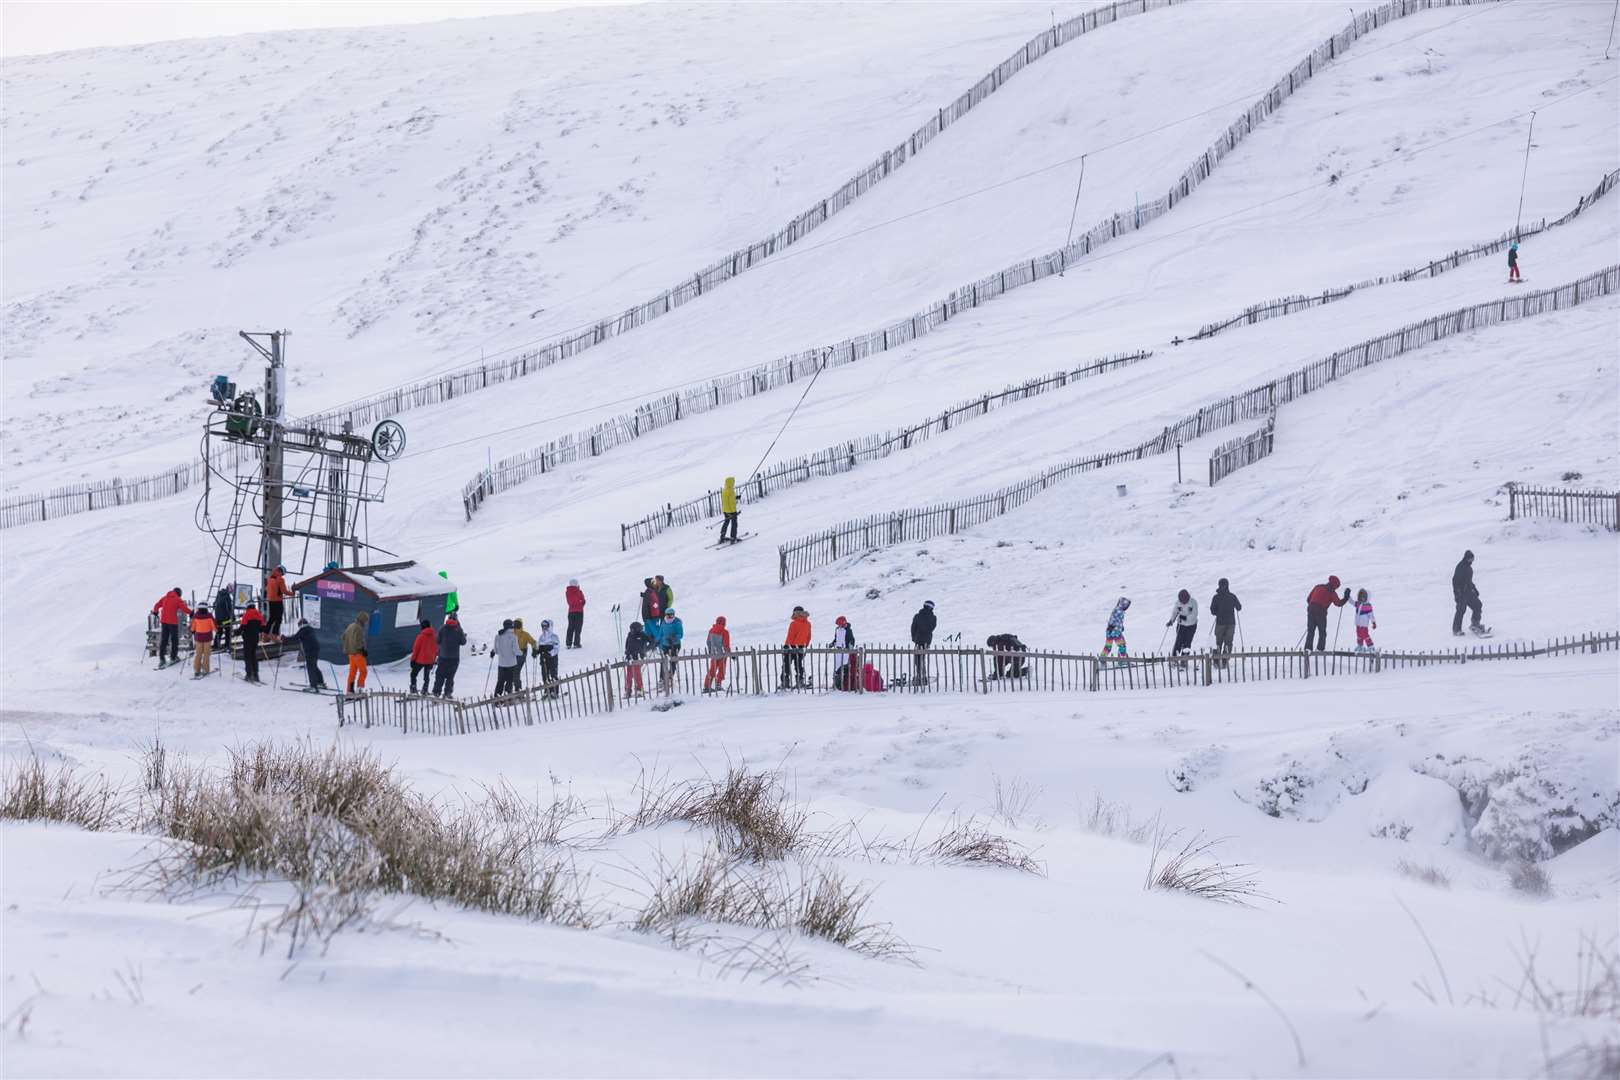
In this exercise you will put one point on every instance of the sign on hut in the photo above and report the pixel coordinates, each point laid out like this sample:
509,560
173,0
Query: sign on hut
395,597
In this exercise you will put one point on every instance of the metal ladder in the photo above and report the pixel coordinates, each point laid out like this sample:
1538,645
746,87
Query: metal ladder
227,547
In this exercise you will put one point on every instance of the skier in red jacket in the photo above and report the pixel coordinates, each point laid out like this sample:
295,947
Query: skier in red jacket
424,654
168,609
1316,605
576,613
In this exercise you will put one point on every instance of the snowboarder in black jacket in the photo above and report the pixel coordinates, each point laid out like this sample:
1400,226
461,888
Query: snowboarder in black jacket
1009,665
922,636
1224,605
1466,596
451,638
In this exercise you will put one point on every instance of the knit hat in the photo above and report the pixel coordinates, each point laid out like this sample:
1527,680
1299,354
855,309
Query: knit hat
545,624
426,625
799,610
841,621
506,624
929,604
574,581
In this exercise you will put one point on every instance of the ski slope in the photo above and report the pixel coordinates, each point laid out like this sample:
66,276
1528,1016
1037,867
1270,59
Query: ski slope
1383,478
403,217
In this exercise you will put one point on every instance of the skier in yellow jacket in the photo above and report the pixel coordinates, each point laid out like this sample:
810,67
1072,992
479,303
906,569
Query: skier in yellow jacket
728,507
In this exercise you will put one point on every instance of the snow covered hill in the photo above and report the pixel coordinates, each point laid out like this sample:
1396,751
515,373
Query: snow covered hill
397,197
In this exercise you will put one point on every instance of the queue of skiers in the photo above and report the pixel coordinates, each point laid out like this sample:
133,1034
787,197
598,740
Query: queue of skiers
660,635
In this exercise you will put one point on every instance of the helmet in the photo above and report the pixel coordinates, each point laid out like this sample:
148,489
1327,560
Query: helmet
545,624
1333,581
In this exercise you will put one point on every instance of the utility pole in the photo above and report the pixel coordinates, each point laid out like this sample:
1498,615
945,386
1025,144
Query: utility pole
1525,177
1073,214
275,389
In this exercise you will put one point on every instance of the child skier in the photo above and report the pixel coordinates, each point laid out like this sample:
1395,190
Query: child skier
1115,632
718,644
637,643
546,648
202,642
1513,261
1365,622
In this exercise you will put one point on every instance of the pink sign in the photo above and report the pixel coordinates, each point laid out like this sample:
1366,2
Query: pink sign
337,590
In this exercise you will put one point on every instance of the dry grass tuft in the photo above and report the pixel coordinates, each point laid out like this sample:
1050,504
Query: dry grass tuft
1115,819
1529,878
721,887
1428,875
1193,870
969,840
30,790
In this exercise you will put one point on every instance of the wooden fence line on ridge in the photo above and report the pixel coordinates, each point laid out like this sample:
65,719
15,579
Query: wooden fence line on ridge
889,528
1290,304
1565,504
844,456
752,672
673,407
96,495
1244,450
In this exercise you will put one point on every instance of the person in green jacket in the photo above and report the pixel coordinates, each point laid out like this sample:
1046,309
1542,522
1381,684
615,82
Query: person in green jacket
354,647
728,507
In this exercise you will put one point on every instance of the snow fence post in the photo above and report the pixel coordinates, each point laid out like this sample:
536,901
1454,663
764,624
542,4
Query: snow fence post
607,677
1209,670
759,684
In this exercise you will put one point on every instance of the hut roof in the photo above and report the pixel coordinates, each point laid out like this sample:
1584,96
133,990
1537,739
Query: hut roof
388,581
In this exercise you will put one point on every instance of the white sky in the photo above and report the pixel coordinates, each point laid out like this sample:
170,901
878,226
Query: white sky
43,26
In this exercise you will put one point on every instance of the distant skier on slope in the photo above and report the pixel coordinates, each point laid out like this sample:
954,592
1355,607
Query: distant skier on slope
1114,632
1513,261
1366,622
1467,597
728,507
1316,604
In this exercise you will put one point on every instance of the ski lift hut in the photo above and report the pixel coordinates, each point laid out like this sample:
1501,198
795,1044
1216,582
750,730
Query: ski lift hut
396,597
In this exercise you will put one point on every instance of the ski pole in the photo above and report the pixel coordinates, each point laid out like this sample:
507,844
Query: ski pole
488,672
1164,636
1241,646
1336,627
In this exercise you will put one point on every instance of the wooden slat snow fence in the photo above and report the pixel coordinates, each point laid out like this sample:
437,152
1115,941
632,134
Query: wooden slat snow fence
1566,504
843,457
906,526
669,408
1291,304
1229,457
97,495
754,672
654,414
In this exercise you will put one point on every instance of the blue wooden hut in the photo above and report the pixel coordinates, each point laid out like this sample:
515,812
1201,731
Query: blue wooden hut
395,596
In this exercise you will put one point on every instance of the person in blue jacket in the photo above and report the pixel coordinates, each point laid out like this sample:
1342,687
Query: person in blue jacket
670,633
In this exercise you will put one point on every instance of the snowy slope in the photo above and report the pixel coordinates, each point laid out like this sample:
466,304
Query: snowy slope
400,216
1322,787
